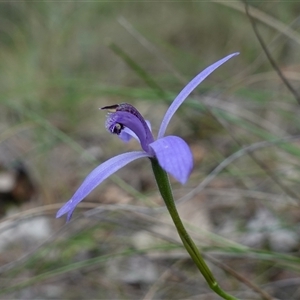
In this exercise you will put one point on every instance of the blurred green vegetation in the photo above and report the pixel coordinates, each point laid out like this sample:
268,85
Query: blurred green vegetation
61,61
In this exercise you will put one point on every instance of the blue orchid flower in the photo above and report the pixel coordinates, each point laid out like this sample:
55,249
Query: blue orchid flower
172,152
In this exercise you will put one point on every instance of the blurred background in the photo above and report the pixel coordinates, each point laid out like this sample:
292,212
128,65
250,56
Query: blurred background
61,61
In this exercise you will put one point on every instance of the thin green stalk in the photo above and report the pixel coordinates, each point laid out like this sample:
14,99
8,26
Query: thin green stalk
164,187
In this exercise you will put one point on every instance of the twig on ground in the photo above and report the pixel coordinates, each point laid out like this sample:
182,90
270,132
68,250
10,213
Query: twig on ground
269,56
241,278
229,160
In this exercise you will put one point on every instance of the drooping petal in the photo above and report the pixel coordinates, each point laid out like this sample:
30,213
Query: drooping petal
186,92
116,122
174,156
96,177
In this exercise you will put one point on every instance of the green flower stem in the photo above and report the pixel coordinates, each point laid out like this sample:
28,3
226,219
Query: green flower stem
164,187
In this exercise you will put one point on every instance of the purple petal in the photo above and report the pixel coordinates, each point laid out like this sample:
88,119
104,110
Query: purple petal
174,156
129,120
126,134
187,90
96,177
